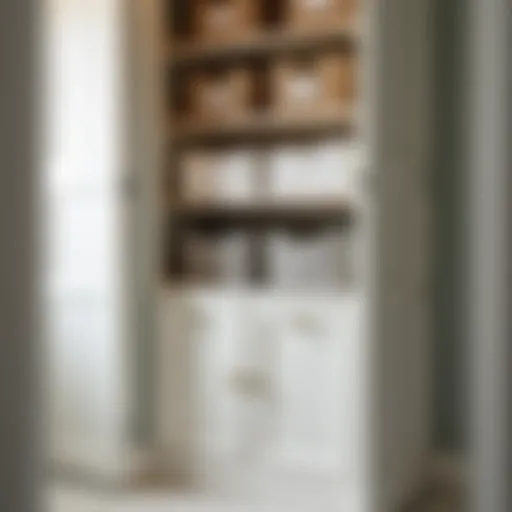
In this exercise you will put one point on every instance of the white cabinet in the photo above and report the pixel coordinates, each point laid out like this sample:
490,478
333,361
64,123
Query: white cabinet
308,384
260,386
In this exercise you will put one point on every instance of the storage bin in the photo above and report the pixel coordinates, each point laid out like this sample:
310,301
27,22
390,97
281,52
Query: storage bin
221,95
289,172
320,15
322,84
339,170
219,176
309,258
216,256
198,177
320,171
225,20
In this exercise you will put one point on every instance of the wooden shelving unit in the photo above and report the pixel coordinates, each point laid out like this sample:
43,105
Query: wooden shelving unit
289,211
288,286
265,126
266,44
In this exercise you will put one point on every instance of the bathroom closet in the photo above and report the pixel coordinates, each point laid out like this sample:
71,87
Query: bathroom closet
292,355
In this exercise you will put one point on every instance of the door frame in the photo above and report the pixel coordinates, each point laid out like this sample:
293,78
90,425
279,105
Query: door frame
489,246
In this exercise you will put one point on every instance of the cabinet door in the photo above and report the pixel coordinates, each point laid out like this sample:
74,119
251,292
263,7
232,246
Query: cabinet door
196,352
215,345
234,373
317,384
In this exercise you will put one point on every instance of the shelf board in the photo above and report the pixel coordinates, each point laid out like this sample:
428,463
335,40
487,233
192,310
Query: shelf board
172,282
282,210
265,43
265,126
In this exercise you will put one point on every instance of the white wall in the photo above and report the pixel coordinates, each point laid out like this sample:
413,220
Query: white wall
84,236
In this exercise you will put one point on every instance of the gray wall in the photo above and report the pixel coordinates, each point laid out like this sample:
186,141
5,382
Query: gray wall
18,348
450,350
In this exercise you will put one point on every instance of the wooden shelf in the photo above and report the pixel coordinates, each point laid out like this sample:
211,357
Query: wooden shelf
265,126
265,43
277,210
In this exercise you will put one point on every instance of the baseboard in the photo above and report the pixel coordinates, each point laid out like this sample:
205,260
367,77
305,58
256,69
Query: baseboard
123,473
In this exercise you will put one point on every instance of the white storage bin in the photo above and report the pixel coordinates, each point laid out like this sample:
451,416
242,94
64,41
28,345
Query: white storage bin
316,171
288,172
219,176
339,169
220,257
309,258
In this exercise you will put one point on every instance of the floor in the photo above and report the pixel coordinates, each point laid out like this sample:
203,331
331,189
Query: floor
68,498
